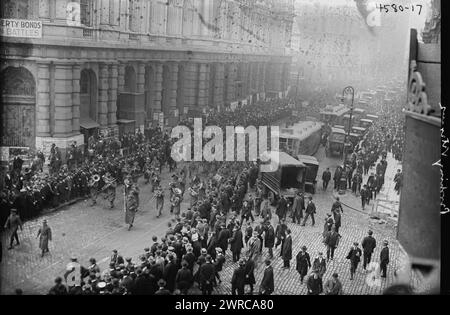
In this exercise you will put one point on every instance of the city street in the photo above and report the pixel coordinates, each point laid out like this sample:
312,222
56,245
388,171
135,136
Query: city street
86,232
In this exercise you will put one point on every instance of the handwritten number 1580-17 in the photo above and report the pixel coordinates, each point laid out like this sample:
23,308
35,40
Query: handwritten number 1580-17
400,8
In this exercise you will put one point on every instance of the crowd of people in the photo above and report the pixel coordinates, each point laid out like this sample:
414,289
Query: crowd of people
220,219
32,189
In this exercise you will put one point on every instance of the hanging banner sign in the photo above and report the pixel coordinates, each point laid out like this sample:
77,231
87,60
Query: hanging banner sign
20,28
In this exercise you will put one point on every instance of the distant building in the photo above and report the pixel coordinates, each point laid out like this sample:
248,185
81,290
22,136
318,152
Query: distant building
71,69
335,45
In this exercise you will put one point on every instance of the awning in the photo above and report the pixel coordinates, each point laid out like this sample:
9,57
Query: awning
88,123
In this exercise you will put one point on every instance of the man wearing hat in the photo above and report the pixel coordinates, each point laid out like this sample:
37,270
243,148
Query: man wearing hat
58,288
44,234
320,265
116,259
207,275
184,278
159,197
384,259
110,187
333,286
131,204
310,211
267,283
175,202
238,279
254,246
13,223
368,244
298,207
162,288
93,187
219,262
354,255
286,249
236,243
303,263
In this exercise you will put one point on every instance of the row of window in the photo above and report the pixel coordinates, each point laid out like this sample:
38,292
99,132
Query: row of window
172,17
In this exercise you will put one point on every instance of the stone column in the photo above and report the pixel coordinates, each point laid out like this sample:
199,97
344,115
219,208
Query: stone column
230,82
262,77
247,79
112,94
173,79
218,85
278,75
190,85
63,100
43,100
203,85
103,87
157,86
141,78
76,72
121,78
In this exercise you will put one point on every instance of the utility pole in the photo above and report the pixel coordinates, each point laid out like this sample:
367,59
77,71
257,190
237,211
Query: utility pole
348,89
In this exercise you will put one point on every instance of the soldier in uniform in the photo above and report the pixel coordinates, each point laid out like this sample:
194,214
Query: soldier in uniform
135,172
110,187
93,188
131,202
147,171
175,202
13,223
71,158
155,179
159,196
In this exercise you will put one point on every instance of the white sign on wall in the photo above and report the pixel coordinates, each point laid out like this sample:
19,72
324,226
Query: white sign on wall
4,153
20,28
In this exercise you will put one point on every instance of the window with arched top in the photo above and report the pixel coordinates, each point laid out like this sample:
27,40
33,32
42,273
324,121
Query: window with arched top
18,81
15,9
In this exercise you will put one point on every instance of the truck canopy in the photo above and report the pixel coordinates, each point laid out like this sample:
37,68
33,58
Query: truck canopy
307,159
281,159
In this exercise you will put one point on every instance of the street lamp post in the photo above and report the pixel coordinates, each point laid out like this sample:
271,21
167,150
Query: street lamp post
348,89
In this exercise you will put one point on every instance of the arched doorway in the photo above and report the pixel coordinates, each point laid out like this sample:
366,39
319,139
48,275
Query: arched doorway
18,108
88,103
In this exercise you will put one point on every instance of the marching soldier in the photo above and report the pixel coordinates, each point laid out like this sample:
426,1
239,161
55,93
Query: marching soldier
93,188
175,202
159,196
194,194
13,223
155,179
147,171
110,187
71,157
135,172
131,202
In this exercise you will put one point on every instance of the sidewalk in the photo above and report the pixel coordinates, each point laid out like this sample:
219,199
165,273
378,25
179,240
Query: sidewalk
387,201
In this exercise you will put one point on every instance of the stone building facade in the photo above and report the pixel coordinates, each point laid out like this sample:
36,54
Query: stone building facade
102,63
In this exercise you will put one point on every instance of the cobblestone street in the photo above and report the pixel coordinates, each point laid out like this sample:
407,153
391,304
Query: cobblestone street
86,232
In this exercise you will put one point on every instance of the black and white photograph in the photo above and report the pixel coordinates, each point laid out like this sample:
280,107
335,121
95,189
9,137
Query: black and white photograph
239,148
